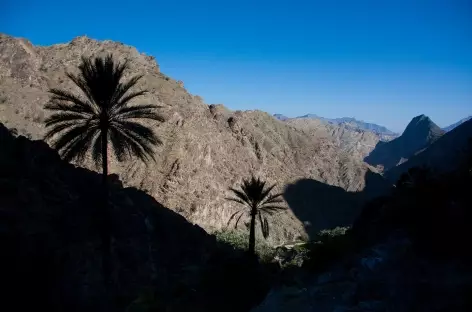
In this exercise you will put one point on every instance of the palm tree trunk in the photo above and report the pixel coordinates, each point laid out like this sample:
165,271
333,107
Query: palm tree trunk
252,234
105,231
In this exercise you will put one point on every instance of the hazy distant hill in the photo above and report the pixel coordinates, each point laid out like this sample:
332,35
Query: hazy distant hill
281,117
444,154
418,135
354,122
454,125
349,121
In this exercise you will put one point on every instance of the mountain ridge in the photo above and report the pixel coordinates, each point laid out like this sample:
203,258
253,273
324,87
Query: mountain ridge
420,132
442,155
456,124
359,124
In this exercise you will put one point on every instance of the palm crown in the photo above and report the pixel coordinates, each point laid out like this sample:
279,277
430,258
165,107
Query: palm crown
256,196
102,113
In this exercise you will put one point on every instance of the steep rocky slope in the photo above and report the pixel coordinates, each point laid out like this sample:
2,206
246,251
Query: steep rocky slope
456,124
51,246
442,156
352,142
206,148
354,123
418,135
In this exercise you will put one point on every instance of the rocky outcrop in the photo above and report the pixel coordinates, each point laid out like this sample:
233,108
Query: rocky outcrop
456,124
51,247
444,155
353,142
385,277
206,148
420,133
407,251
50,235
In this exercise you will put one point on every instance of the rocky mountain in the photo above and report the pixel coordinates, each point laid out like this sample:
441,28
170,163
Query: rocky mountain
347,133
353,142
454,125
281,117
348,121
207,148
443,155
418,135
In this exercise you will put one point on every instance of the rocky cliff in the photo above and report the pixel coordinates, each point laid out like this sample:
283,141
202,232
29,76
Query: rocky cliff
444,155
418,135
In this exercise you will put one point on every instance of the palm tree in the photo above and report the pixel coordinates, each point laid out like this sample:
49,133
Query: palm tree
102,113
258,204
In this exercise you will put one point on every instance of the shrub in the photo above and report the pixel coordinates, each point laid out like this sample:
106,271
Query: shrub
240,240
330,246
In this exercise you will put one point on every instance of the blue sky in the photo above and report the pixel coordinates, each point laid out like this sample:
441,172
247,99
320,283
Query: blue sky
379,61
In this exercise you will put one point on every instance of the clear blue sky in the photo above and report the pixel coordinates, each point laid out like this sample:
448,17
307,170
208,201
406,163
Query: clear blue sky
379,61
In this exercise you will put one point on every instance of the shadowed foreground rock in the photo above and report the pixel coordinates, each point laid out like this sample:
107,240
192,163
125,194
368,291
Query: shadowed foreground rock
50,241
407,251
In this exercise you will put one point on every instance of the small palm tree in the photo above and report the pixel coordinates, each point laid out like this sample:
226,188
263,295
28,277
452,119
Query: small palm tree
102,113
258,204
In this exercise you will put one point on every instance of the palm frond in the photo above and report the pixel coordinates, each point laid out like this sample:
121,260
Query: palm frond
58,128
80,82
237,200
98,75
141,112
119,144
264,226
97,150
232,217
73,132
143,132
65,107
78,147
271,209
137,145
63,117
119,97
253,188
266,192
123,101
237,221
66,96
241,195
273,199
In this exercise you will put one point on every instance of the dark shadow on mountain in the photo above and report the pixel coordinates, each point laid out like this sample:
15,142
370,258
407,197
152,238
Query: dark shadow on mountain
51,257
418,135
442,156
321,206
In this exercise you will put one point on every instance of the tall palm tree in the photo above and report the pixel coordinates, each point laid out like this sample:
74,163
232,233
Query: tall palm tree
102,112
258,203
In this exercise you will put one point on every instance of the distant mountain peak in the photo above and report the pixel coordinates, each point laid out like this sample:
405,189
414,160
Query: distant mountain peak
281,117
420,133
353,123
422,128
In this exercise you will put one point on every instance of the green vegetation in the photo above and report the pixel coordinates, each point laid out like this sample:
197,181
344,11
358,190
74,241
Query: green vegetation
330,246
240,241
102,113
